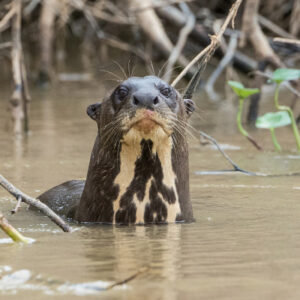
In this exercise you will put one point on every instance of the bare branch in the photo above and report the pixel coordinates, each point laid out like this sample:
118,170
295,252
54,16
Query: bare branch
287,41
252,32
109,39
273,27
160,5
235,166
152,26
184,32
7,17
5,45
209,50
228,57
18,205
34,202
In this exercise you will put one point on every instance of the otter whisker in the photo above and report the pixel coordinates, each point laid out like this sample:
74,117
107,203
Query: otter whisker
119,79
152,67
121,69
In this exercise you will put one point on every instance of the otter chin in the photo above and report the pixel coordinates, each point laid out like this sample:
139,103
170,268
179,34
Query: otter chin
138,171
146,123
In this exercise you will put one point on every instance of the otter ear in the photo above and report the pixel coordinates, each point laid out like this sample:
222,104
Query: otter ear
94,110
189,106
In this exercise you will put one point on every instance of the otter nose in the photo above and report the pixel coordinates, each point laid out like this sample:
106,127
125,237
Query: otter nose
145,99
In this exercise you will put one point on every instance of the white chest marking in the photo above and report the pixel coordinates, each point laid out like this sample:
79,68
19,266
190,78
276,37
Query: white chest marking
130,152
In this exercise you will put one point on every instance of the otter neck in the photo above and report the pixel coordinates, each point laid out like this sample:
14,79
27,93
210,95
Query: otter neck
146,180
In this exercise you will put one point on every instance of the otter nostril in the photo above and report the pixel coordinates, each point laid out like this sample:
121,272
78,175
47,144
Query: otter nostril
135,101
155,101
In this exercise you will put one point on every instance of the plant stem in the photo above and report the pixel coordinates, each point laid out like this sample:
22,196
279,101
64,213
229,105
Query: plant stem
241,128
276,96
275,142
239,118
290,112
11,231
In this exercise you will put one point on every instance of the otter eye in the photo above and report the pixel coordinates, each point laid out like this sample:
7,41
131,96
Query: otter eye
165,91
122,92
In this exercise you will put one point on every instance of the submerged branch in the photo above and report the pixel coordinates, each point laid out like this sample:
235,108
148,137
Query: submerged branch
236,168
253,142
34,202
138,273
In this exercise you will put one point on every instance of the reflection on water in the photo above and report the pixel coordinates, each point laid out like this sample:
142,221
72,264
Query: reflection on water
243,245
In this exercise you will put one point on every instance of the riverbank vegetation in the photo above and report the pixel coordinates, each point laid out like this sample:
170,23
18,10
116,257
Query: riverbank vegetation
37,38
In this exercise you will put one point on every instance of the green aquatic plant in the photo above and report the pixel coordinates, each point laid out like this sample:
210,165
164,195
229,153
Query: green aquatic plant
12,232
243,93
272,121
278,77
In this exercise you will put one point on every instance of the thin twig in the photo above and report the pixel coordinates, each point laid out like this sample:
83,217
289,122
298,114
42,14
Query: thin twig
109,39
15,210
7,17
5,45
138,273
273,27
184,33
228,57
287,41
253,142
34,202
209,50
115,17
31,7
236,168
159,5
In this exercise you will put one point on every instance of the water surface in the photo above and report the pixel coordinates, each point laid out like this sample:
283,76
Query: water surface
243,245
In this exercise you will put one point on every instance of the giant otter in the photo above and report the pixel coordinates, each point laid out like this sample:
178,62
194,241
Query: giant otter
138,171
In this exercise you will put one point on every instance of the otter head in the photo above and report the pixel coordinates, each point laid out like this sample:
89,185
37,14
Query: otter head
142,108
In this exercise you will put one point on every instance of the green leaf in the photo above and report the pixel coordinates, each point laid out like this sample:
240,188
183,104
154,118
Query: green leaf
282,74
273,120
241,91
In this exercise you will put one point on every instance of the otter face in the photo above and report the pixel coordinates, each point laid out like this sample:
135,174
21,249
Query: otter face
149,105
143,107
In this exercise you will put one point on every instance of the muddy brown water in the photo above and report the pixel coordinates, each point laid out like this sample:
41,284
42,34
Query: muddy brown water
244,244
